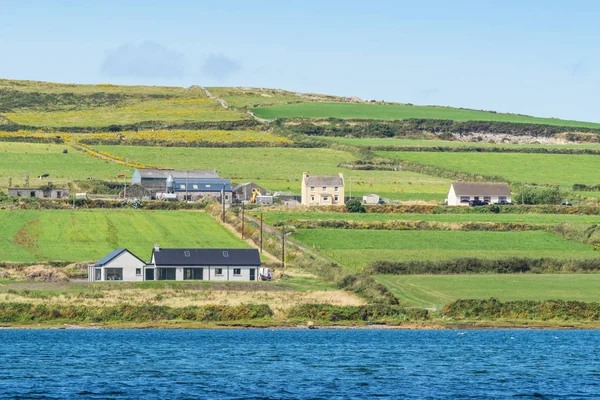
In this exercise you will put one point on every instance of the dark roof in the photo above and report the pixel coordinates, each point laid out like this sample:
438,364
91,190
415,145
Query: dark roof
114,254
481,189
212,257
203,184
176,173
324,181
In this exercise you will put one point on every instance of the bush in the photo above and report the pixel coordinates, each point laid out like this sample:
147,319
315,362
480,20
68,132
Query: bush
538,195
355,206
373,313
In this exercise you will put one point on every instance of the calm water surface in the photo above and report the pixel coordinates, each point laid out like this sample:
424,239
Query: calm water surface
316,364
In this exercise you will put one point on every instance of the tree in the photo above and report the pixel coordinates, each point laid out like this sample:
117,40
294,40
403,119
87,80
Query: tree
355,206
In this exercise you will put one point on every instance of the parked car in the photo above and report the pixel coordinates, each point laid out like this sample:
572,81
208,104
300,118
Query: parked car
477,203
566,203
504,203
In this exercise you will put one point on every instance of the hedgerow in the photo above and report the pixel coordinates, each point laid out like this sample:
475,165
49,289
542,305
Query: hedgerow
492,309
373,313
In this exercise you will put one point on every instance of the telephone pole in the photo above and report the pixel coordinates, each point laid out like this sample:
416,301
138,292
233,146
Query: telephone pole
243,218
261,231
283,247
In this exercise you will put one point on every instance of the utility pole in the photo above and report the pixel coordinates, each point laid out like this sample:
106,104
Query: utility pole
261,231
243,218
522,192
283,247
186,185
350,188
223,203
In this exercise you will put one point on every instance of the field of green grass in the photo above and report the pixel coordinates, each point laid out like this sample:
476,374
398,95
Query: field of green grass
437,290
559,169
38,159
446,143
399,112
272,217
359,248
88,235
280,169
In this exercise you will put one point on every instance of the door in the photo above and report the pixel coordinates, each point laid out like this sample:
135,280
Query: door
149,274
98,274
252,274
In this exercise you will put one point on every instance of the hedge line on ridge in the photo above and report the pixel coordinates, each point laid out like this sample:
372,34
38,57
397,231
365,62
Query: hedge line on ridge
492,309
23,312
482,266
483,149
494,209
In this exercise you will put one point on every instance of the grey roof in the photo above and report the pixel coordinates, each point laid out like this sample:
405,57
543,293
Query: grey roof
177,173
203,184
202,257
324,181
114,254
481,189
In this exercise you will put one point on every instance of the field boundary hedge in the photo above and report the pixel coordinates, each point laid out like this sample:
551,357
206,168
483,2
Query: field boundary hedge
373,313
63,204
492,309
482,149
25,312
484,266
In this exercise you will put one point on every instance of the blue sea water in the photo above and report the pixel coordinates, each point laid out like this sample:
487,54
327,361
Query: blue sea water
299,364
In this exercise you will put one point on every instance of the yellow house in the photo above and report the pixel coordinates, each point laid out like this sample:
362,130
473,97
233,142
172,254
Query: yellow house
322,190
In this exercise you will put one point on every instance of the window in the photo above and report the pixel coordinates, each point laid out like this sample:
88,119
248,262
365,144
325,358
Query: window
166,274
312,188
138,271
32,194
98,274
195,187
182,186
218,271
487,198
195,274
337,189
113,274
237,271
336,198
312,198
324,189
208,186
58,195
325,198
464,199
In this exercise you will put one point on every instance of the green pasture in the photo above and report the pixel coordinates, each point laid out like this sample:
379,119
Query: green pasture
558,169
399,112
88,235
272,217
359,248
447,143
38,159
280,169
437,290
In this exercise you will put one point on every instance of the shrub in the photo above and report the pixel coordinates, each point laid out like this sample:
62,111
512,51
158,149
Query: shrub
355,206
373,313
538,195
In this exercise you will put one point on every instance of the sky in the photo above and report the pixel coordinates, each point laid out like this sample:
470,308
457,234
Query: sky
529,57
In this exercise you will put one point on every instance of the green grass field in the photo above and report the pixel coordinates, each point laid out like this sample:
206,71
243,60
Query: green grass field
399,112
272,217
559,169
53,235
280,169
437,290
358,248
38,159
447,143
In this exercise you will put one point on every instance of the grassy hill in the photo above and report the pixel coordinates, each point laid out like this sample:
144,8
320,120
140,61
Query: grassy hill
402,111
60,235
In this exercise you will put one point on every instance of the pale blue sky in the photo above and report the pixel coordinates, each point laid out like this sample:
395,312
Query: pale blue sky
531,57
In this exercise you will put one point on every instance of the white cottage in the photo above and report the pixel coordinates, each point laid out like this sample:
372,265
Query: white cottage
205,264
461,193
119,265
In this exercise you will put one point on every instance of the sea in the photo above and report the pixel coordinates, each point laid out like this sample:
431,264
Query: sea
299,364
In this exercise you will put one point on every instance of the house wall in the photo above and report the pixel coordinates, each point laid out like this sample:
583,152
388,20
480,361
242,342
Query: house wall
48,194
209,273
125,260
320,197
454,200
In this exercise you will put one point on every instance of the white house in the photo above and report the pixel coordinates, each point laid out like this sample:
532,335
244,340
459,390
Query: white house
461,193
205,264
119,265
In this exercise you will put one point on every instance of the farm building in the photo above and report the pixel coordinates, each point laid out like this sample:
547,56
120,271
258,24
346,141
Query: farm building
461,193
190,185
42,193
371,199
245,192
119,265
322,190
178,265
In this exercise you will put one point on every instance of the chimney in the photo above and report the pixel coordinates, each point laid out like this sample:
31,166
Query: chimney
304,175
156,247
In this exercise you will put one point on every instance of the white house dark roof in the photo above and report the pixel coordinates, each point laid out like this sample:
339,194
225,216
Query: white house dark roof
202,257
177,173
481,189
324,181
114,254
